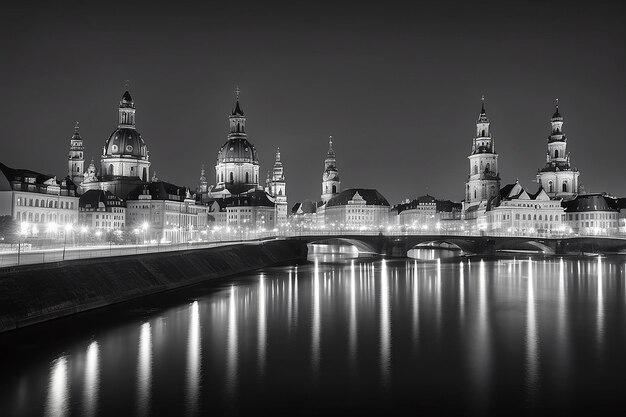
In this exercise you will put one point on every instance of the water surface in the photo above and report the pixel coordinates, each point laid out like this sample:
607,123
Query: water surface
358,336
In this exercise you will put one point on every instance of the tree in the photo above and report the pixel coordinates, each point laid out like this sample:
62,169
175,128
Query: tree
8,229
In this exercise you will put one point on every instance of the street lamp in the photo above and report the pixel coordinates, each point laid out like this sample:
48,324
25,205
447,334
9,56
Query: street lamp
144,227
68,229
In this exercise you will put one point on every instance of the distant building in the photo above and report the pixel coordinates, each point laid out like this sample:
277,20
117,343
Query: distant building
124,164
38,199
101,210
167,212
427,213
558,178
76,160
483,180
516,211
303,214
592,215
357,208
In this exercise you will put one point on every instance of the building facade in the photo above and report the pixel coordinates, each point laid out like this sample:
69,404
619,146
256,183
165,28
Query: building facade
558,177
592,215
427,213
357,208
99,209
515,211
38,200
483,180
164,212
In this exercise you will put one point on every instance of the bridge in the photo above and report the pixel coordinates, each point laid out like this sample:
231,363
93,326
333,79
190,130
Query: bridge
399,245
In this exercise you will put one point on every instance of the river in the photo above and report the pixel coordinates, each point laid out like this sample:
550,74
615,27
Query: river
340,335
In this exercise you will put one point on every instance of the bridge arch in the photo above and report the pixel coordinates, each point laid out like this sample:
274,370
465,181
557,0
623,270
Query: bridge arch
360,246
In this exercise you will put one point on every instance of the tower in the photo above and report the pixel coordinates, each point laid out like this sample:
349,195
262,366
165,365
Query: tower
330,178
557,177
202,182
76,161
484,178
276,187
125,153
237,167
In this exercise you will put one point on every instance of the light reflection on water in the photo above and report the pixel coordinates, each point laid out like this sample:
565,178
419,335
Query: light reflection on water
524,334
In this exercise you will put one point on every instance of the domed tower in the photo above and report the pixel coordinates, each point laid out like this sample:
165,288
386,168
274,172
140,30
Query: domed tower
557,177
331,185
237,168
125,154
276,187
76,161
484,178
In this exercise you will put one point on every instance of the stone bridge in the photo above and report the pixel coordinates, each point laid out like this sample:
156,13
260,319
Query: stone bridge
399,245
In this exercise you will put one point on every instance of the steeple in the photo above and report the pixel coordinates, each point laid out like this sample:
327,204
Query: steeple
76,161
203,184
482,117
237,119
330,178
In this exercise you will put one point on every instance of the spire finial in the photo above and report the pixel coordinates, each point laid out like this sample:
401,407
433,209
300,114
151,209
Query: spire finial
76,127
330,141
482,103
126,83
237,91
557,103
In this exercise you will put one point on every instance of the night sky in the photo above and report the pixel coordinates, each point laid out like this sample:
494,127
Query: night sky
398,85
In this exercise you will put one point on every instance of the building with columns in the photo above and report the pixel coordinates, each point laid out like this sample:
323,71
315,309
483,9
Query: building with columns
76,160
277,188
124,164
483,180
558,177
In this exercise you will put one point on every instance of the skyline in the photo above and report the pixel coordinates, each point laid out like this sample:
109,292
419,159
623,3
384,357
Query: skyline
401,122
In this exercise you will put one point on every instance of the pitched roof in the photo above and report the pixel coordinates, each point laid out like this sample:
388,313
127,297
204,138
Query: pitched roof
371,197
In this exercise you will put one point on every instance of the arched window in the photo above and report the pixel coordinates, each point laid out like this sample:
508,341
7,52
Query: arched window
550,186
334,189
232,177
475,169
474,193
221,177
487,167
247,176
144,175
482,133
565,187
556,153
110,169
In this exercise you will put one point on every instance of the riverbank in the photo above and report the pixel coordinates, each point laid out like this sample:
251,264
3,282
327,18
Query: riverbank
36,293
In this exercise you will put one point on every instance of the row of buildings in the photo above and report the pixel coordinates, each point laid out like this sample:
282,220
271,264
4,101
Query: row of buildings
121,194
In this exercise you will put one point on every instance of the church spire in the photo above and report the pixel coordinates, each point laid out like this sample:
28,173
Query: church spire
237,109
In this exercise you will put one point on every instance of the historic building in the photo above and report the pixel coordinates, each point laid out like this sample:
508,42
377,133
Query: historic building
592,214
76,160
483,180
99,209
165,212
237,191
427,213
331,185
357,208
40,200
558,177
515,211
124,164
277,188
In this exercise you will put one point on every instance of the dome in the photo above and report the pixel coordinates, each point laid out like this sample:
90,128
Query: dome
237,150
125,142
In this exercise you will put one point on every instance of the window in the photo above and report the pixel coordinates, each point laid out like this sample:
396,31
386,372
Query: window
565,187
556,153
232,177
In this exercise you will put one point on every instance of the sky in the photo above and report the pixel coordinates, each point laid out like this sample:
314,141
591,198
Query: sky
397,85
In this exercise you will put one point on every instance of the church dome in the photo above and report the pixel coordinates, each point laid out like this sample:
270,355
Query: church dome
237,149
125,142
